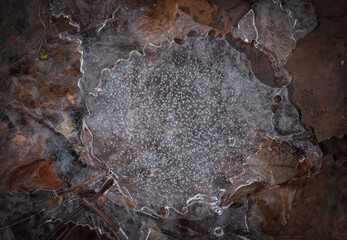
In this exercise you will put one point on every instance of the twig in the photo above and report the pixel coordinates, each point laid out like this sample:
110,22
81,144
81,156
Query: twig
44,205
41,39
78,210
92,207
65,236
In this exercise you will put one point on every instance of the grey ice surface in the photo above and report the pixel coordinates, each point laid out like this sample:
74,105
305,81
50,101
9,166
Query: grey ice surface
177,124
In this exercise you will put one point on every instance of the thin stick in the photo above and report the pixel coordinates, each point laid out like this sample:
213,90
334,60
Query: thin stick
92,207
78,210
68,233
64,233
44,205
39,42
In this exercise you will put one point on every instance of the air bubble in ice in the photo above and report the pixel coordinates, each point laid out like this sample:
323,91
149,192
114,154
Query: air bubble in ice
218,232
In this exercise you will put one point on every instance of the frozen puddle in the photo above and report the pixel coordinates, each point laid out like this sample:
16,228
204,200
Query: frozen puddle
178,123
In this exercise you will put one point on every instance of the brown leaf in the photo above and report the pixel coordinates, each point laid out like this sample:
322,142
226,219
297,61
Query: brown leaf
36,175
274,163
18,150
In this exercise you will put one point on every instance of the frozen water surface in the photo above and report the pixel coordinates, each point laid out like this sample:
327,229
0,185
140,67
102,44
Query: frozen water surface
275,26
184,122
178,123
108,31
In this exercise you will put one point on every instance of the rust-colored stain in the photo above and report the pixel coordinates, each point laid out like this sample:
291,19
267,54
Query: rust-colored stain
40,175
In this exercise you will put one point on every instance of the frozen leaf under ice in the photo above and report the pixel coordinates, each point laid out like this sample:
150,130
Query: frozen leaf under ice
178,124
37,175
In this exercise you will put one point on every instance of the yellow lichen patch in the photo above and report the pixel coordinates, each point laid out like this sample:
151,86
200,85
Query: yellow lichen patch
43,56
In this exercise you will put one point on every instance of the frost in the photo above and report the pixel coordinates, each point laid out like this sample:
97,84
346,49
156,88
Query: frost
178,124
